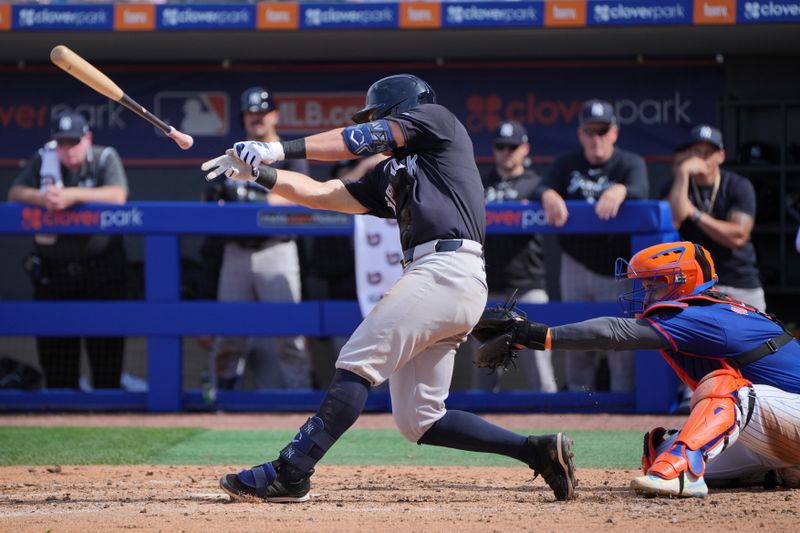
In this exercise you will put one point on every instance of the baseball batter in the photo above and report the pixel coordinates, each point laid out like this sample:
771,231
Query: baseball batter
742,366
431,185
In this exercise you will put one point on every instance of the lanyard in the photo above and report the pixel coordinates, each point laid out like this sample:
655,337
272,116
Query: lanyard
707,205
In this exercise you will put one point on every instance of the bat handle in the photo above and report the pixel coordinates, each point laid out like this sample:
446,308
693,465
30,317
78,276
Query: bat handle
184,141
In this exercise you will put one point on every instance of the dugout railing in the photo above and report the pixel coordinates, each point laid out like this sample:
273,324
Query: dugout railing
163,318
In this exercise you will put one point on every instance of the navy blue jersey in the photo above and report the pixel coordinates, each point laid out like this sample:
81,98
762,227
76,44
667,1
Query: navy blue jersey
736,268
574,178
432,185
703,337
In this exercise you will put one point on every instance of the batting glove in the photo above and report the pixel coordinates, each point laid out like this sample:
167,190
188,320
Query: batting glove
231,166
256,153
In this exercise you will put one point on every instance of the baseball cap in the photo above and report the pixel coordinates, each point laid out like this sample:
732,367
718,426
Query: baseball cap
597,111
511,132
703,133
69,126
257,100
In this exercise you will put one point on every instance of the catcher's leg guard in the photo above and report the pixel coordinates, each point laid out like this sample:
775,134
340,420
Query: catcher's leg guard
713,425
656,441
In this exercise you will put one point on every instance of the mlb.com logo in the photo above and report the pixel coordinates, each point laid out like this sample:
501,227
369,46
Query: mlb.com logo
202,114
303,113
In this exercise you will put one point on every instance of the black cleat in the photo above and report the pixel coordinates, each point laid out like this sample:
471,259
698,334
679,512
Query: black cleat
553,461
271,486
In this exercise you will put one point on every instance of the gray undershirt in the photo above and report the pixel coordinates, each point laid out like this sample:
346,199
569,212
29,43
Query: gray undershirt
607,333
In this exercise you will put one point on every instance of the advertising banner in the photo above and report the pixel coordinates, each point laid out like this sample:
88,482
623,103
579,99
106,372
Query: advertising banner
656,105
200,17
83,17
348,16
492,14
640,12
761,11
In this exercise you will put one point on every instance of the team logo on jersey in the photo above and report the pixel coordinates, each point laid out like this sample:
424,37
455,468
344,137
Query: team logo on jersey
740,310
203,114
393,257
373,239
373,278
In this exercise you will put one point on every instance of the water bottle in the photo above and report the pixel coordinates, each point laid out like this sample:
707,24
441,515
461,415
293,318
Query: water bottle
47,181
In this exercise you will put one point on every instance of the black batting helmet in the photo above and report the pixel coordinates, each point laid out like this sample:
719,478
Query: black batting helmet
394,94
257,100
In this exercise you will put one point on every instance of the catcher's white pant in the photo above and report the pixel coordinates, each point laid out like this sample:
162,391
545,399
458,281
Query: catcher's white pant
412,334
771,440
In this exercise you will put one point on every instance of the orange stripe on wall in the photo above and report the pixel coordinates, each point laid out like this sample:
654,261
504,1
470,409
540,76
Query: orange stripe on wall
134,17
420,15
5,17
710,12
277,16
565,13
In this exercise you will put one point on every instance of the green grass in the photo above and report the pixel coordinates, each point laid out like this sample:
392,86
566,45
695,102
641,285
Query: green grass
69,445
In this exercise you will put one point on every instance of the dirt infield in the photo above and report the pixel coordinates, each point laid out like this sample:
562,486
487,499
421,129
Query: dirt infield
375,498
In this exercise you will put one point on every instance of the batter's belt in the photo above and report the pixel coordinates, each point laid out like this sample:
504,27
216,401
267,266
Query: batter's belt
441,245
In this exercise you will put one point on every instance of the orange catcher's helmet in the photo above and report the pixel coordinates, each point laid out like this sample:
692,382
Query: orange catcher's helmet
663,272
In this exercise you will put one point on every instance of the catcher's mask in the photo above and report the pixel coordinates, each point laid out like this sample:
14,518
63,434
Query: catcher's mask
394,94
664,272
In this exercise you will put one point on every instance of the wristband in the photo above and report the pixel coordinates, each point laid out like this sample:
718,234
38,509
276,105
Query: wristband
266,176
695,216
294,149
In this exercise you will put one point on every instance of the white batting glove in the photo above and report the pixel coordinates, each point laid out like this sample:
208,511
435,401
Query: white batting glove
256,153
231,166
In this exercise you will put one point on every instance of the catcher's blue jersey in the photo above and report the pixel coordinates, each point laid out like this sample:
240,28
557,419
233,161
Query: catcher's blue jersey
704,336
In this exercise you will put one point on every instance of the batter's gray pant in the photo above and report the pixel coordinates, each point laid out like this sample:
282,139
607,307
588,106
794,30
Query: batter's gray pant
269,274
579,284
410,337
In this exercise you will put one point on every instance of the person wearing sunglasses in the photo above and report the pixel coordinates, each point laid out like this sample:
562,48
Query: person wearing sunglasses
70,170
515,262
605,176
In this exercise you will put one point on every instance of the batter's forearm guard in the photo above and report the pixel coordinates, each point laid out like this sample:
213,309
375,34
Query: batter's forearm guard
371,138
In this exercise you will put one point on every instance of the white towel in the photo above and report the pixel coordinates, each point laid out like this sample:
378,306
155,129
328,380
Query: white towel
379,258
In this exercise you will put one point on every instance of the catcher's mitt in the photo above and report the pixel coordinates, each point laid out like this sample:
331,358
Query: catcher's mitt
502,332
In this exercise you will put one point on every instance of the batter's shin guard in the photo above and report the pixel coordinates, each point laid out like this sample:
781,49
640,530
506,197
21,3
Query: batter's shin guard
298,452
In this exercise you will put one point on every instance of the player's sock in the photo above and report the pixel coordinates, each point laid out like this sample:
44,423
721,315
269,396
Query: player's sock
340,408
466,431
343,403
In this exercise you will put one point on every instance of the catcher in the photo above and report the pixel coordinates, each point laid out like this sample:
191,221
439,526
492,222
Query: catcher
742,366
